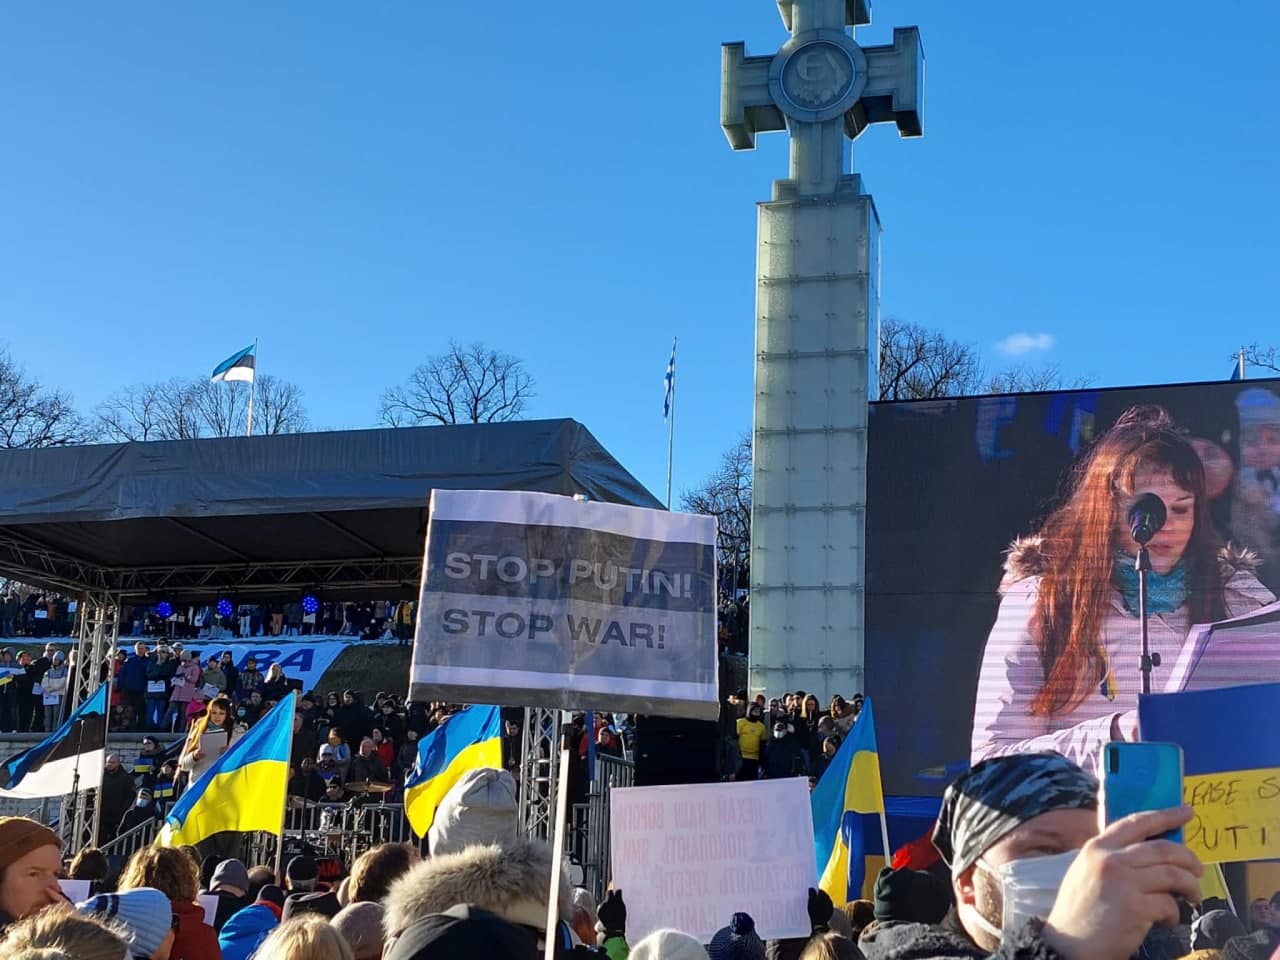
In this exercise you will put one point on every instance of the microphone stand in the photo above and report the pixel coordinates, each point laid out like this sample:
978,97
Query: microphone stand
1149,659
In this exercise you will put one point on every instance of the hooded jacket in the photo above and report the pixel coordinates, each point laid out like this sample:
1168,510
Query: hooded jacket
195,939
512,880
1012,670
245,930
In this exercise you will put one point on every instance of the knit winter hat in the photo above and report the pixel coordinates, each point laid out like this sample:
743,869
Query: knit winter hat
361,926
230,873
145,914
668,945
737,941
20,835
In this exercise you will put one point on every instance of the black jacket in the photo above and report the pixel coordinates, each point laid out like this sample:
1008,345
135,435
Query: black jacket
948,941
118,792
785,757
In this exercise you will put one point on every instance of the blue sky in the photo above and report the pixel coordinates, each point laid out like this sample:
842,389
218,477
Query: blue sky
357,183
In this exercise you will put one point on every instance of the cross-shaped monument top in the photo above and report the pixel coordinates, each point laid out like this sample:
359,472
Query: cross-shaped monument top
823,88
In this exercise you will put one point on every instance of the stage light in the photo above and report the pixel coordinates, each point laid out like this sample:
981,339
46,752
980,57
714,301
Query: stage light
165,609
310,605
225,607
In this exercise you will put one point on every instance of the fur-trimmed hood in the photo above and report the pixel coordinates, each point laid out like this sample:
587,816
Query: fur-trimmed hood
1025,558
512,880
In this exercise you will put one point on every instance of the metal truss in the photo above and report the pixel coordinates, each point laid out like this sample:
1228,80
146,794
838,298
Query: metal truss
32,563
539,771
97,634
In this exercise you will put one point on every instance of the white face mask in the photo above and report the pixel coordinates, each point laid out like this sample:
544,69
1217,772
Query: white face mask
1028,887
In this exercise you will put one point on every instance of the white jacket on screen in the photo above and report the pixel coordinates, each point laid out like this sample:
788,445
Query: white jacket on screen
1012,672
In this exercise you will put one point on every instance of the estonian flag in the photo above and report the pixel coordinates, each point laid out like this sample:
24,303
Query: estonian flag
238,366
243,791
848,793
49,768
469,740
669,382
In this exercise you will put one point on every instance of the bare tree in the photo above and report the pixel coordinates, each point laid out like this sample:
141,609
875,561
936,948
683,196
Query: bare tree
726,495
1024,379
917,363
32,416
1258,356
151,411
471,384
187,409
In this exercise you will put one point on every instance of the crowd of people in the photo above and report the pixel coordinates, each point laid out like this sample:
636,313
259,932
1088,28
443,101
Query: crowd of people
789,736
1017,866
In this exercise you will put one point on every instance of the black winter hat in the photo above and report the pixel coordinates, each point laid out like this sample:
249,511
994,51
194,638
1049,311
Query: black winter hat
910,896
463,933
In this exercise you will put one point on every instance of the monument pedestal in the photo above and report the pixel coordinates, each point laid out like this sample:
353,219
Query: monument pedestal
816,268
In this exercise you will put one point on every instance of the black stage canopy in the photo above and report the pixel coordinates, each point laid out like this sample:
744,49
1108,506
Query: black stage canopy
341,513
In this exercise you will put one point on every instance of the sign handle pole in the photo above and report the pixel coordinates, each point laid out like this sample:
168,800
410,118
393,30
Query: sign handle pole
557,855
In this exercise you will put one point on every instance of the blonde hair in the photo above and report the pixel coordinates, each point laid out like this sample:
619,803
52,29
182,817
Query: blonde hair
60,932
309,937
169,869
830,946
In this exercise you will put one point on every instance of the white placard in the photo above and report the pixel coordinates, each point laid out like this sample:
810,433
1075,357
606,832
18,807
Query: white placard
52,699
77,891
210,904
689,857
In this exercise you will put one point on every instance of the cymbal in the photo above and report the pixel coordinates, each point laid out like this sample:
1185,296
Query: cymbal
368,786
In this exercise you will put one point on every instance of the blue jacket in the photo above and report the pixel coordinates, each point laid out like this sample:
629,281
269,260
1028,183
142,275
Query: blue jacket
133,674
245,930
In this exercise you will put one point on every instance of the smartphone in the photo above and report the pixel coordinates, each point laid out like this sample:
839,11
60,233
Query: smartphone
1137,777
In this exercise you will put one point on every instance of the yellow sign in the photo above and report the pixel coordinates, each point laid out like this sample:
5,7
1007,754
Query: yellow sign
1237,815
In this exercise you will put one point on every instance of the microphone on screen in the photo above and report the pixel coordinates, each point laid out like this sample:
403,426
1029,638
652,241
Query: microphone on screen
1146,517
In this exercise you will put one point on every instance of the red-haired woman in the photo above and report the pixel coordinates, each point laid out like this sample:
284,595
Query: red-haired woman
1061,667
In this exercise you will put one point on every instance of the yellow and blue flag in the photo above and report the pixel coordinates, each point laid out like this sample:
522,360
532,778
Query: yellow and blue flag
245,788
849,792
469,740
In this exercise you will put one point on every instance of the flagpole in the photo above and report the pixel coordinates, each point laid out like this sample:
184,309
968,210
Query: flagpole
253,383
1242,363
102,775
284,801
671,433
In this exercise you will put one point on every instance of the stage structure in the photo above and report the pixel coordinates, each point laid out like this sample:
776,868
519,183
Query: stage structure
817,266
337,515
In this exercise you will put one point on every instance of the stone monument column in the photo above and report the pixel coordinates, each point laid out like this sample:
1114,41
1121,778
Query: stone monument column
816,323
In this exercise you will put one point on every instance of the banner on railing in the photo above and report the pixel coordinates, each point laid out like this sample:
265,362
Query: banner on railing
532,599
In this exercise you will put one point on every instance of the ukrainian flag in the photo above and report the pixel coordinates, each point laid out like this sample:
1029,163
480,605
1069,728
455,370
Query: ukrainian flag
245,788
848,793
470,740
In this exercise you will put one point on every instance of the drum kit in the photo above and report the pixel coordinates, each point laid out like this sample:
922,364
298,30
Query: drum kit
344,831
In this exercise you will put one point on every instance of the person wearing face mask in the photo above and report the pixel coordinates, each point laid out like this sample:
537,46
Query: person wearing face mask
784,755
144,810
1032,876
751,737
1060,669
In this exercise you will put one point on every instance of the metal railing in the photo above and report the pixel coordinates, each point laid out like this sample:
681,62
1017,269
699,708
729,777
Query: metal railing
590,822
331,831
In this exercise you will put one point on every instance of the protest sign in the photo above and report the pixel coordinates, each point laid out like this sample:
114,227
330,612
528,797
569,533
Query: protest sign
532,599
690,857
1232,767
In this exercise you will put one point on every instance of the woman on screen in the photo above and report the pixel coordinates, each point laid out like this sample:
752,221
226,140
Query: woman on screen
1061,666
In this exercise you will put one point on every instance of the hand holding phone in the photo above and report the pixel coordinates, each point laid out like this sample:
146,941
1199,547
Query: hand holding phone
1141,777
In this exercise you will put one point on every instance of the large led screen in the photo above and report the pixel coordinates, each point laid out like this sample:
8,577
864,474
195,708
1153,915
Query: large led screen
1001,590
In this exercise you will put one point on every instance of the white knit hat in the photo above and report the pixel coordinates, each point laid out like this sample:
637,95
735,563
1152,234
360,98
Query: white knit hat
668,945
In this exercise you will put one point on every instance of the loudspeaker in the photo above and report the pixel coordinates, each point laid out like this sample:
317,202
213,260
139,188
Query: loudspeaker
669,751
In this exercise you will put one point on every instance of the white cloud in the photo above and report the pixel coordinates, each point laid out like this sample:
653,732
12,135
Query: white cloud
1020,344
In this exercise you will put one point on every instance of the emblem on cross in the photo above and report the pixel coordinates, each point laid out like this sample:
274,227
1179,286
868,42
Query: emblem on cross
822,87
